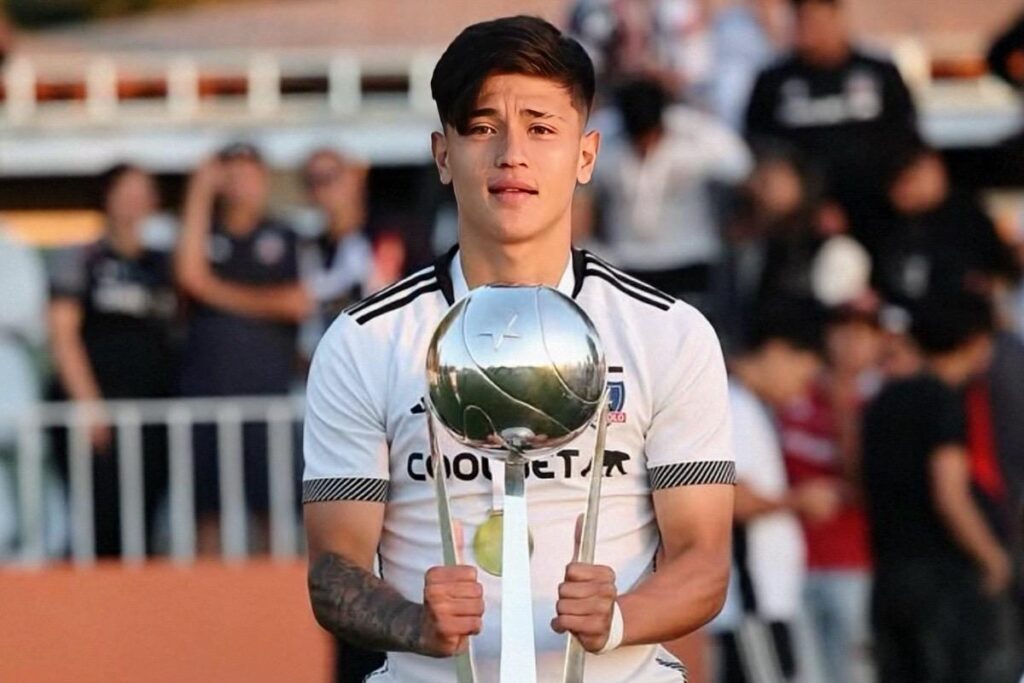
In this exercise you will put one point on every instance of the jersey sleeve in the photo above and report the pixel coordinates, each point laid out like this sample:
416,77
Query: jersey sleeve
345,449
689,439
67,274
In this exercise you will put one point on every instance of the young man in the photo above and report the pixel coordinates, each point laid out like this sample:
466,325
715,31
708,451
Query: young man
513,96
653,187
229,241
779,360
937,563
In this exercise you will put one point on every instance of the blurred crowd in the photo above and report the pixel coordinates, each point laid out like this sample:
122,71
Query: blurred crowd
755,162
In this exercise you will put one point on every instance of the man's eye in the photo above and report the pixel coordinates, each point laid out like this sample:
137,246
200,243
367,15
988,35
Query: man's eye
541,130
481,129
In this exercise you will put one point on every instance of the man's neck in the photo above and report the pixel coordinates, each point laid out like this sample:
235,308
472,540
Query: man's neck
951,368
241,220
538,262
833,59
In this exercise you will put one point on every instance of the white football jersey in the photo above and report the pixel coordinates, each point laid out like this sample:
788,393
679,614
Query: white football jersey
366,439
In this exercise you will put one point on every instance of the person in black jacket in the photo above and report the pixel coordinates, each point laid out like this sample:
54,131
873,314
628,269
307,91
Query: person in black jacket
843,108
940,242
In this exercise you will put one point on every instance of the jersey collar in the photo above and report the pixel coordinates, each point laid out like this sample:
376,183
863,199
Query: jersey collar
448,270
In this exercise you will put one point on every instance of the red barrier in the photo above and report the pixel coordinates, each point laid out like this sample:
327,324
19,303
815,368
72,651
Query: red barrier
160,623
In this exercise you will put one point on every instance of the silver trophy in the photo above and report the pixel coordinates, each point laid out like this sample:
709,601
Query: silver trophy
517,372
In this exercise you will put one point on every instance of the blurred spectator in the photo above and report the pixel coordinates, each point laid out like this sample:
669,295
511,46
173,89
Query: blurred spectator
788,241
6,36
748,35
941,241
1006,56
665,40
339,265
821,442
22,333
938,565
240,267
845,109
112,311
651,190
755,627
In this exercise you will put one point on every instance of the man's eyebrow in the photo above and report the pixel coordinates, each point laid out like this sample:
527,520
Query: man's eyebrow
531,113
535,114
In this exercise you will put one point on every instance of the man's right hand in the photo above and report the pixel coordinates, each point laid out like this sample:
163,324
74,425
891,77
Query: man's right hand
453,609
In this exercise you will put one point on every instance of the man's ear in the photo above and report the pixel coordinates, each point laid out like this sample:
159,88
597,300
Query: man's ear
589,146
439,150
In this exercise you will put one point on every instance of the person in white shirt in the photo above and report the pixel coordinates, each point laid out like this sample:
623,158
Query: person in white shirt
652,194
779,360
513,96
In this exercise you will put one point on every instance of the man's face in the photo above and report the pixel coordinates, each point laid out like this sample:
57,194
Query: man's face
245,183
790,371
921,187
854,345
334,185
132,198
821,36
515,169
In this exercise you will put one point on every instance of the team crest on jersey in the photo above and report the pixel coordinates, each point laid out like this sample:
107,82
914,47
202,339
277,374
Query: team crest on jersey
616,401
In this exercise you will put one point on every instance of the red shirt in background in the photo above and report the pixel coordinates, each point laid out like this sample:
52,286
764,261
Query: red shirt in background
810,445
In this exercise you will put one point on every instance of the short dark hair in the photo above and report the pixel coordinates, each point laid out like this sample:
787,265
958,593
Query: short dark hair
944,324
795,322
512,45
110,177
642,104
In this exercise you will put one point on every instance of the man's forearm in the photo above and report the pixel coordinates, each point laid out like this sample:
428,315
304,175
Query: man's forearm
683,595
359,608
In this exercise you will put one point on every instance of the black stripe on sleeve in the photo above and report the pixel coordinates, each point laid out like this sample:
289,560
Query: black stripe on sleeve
398,303
387,292
627,279
692,474
617,284
345,488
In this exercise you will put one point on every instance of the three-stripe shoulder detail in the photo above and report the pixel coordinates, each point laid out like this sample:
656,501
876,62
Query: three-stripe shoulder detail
627,284
395,296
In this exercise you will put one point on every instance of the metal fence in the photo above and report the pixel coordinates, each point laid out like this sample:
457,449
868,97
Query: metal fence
179,417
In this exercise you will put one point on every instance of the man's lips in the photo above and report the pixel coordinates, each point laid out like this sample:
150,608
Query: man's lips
510,187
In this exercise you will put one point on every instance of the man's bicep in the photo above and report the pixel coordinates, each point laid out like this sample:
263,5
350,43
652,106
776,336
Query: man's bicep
350,528
695,517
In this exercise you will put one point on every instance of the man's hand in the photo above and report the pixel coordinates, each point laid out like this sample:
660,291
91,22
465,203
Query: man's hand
586,600
209,177
817,500
453,609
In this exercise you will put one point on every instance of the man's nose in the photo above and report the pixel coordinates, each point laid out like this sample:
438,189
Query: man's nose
512,149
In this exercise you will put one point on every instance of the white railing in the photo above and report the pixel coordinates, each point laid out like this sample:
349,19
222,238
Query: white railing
173,84
178,416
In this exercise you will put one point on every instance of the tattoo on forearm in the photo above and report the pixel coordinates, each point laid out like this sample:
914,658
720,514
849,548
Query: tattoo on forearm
359,608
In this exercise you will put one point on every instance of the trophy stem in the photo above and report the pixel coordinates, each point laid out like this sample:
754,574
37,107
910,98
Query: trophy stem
518,657
574,652
464,669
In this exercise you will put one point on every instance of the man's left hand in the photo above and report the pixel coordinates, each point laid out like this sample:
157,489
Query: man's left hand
586,599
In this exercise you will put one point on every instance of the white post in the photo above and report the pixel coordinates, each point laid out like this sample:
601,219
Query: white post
182,88
282,482
264,85
231,468
20,81
131,486
101,89
182,485
344,84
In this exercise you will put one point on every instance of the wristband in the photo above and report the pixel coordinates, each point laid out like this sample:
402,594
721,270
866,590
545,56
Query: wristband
615,631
